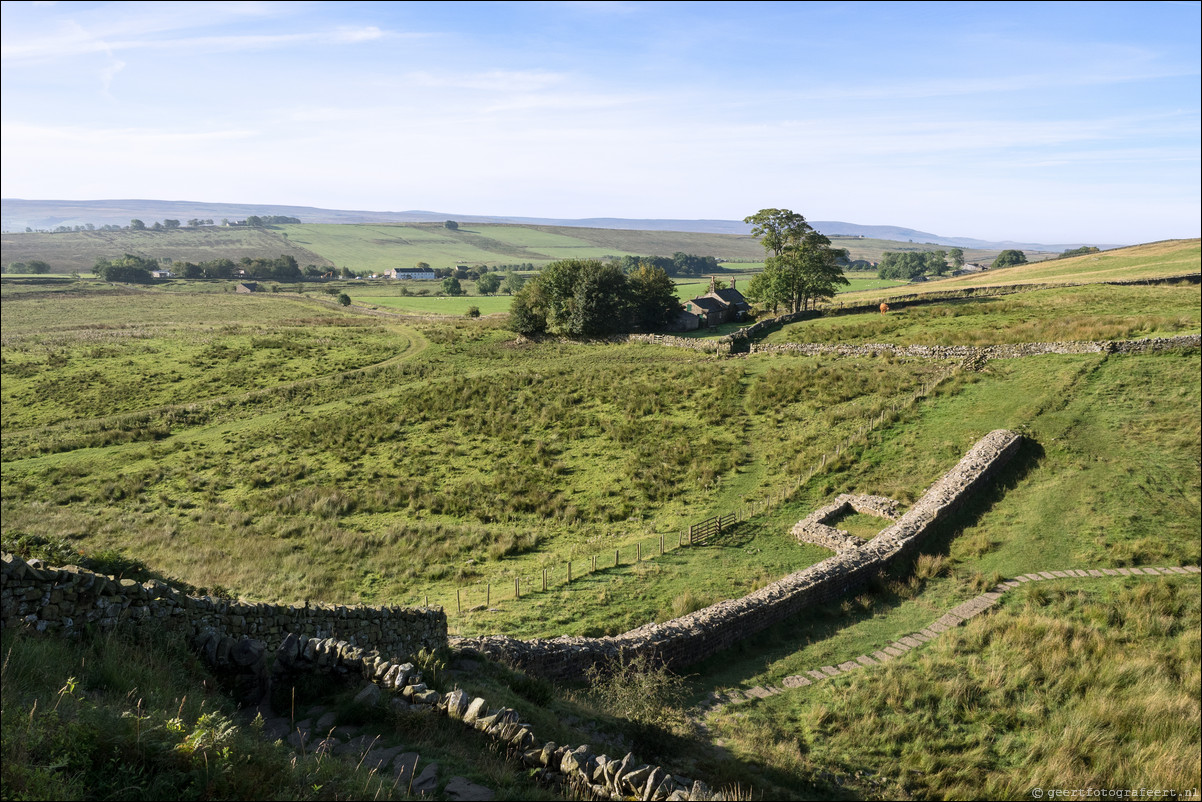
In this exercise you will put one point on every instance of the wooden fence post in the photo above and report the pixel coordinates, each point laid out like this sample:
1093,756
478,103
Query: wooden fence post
458,604
517,594
617,557
638,557
569,572
487,594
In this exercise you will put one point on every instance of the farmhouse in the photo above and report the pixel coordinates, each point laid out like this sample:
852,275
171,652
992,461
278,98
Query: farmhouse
410,273
719,306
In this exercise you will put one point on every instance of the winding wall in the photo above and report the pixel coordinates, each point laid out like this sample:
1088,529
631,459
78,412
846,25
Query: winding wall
67,599
694,637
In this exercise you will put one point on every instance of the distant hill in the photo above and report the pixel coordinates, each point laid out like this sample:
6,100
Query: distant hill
17,215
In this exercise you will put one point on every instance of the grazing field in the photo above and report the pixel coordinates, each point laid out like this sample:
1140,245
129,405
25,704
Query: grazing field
77,252
282,447
1155,260
1092,312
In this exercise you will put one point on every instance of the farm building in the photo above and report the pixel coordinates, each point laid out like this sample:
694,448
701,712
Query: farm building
247,286
719,306
410,273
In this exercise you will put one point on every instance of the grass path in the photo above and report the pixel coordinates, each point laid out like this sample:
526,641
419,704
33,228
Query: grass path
954,617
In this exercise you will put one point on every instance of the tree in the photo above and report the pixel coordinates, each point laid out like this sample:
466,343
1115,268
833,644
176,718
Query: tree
1009,258
422,265
576,297
1082,251
777,228
344,299
37,266
451,225
129,269
652,297
451,286
512,283
488,284
170,224
473,311
137,225
909,265
957,257
802,267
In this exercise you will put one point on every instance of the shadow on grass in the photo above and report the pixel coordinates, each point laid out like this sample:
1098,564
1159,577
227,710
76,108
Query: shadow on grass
889,589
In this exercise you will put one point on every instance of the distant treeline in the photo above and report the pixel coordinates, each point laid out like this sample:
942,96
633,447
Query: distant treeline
254,221
678,264
132,269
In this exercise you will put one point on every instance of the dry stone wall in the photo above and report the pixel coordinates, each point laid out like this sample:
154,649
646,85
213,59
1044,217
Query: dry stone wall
694,637
815,528
974,352
64,600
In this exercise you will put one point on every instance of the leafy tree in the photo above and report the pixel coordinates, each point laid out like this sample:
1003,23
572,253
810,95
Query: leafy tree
909,265
170,224
957,257
802,267
137,225
1082,251
193,270
129,269
652,297
422,265
528,310
451,286
1009,258
473,311
37,266
451,225
344,299
488,284
777,228
512,283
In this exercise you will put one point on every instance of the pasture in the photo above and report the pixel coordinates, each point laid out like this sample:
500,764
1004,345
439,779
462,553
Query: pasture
281,447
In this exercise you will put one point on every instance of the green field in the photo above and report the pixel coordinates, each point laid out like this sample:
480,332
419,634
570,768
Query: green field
282,447
366,248
1091,312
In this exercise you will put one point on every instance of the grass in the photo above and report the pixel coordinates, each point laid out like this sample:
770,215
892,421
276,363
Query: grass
1093,312
1154,260
368,458
135,716
1071,686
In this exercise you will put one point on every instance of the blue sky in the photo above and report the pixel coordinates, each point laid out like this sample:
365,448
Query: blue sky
1075,122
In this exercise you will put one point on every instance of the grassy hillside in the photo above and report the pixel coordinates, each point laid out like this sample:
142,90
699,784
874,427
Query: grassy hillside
1154,260
378,247
78,251
282,447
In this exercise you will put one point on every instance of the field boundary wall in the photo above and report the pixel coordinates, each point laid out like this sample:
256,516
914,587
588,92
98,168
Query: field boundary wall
702,634
68,599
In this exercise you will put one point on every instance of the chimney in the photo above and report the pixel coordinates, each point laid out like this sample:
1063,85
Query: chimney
713,284
732,283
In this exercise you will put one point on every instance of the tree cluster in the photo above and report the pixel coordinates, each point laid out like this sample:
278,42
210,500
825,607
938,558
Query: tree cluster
909,265
36,266
282,268
128,269
678,264
589,298
1009,258
802,267
1084,250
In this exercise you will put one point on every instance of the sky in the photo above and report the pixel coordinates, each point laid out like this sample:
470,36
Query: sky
1039,122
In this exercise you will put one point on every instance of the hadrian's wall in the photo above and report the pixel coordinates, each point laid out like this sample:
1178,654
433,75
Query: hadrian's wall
1148,345
694,637
67,599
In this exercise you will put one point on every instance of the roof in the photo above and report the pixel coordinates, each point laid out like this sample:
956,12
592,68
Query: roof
732,297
